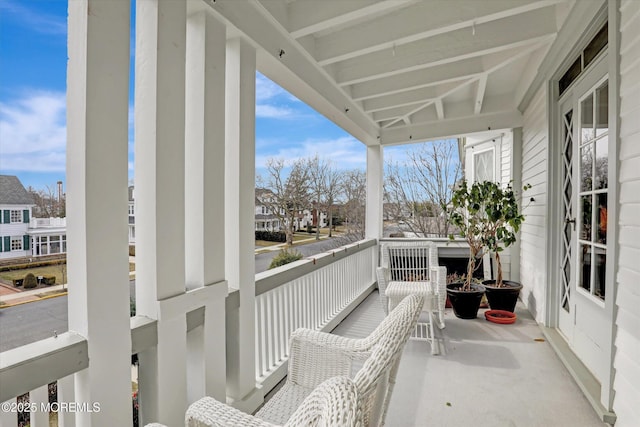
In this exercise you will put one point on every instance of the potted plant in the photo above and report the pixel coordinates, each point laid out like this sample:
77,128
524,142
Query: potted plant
466,214
502,220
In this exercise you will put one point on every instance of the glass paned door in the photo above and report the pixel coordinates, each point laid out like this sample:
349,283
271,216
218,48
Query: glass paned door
594,189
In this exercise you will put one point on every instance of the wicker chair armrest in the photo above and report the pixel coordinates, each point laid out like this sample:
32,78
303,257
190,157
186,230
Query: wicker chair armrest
208,412
330,340
316,356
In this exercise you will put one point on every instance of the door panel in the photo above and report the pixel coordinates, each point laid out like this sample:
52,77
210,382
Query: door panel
584,248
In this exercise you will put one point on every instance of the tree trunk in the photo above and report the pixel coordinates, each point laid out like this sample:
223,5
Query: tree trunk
499,268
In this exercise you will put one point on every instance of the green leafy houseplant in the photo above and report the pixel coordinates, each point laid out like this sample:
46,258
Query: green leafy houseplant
488,217
502,220
466,213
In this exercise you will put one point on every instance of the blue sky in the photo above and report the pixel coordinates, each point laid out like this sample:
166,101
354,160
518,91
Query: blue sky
33,56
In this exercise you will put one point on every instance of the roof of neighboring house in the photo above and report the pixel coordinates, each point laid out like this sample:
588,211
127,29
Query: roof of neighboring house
12,192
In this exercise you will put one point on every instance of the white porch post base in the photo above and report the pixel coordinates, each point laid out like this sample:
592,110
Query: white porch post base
250,402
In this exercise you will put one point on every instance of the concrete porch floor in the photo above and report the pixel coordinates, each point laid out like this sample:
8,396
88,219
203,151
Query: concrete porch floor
486,375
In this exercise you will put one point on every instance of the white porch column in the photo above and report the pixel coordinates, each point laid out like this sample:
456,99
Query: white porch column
375,191
160,211
239,219
97,134
204,189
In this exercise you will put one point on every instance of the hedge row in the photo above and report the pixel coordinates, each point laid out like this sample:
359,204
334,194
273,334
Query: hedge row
271,236
32,264
46,280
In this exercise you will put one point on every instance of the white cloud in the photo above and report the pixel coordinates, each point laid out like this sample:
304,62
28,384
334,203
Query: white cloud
274,112
266,89
35,21
33,133
343,153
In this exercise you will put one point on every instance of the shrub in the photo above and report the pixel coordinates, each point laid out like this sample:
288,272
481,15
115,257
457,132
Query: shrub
30,281
285,257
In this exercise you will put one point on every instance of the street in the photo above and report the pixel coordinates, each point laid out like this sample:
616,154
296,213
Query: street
37,320
31,322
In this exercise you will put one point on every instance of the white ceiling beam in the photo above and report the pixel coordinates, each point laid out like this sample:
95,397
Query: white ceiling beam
306,79
415,80
411,97
420,21
451,128
497,36
396,113
463,70
482,87
425,105
439,109
308,17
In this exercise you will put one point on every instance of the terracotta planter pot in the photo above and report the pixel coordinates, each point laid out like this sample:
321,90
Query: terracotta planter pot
500,316
503,298
465,303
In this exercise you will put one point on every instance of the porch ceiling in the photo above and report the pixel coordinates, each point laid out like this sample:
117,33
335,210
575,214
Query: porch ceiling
394,71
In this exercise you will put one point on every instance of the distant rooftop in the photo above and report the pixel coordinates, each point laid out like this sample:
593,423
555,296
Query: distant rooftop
12,192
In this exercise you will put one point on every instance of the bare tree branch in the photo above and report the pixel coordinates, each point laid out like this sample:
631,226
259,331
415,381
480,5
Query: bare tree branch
417,189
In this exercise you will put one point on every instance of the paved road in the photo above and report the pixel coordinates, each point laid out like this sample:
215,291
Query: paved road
34,321
31,322
263,260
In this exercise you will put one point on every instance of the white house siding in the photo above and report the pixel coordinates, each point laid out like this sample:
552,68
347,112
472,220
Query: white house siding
506,149
18,229
504,160
533,232
627,338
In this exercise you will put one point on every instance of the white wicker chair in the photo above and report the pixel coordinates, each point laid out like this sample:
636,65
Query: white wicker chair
310,397
333,403
315,356
382,275
414,261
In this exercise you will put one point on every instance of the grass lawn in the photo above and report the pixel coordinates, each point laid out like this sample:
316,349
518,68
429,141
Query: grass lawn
49,270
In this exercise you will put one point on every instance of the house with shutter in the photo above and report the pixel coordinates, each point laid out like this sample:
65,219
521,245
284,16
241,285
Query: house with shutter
15,213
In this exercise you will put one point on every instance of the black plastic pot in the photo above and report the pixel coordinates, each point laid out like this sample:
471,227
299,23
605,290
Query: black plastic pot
503,298
465,304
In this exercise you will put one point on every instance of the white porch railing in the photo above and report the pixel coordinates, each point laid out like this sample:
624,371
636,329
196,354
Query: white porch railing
314,293
317,292
48,222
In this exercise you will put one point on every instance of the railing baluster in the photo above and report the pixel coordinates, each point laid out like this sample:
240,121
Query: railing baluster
311,300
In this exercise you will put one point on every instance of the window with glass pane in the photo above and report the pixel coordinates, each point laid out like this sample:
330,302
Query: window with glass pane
483,166
594,184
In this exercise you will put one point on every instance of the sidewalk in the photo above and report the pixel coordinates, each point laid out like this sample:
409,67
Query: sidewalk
280,246
18,298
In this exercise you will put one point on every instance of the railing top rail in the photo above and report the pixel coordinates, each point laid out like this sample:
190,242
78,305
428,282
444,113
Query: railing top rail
272,279
33,365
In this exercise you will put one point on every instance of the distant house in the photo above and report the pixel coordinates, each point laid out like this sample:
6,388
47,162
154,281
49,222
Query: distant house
132,217
15,213
22,235
265,218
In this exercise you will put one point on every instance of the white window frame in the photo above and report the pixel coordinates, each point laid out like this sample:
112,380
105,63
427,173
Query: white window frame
16,244
16,216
